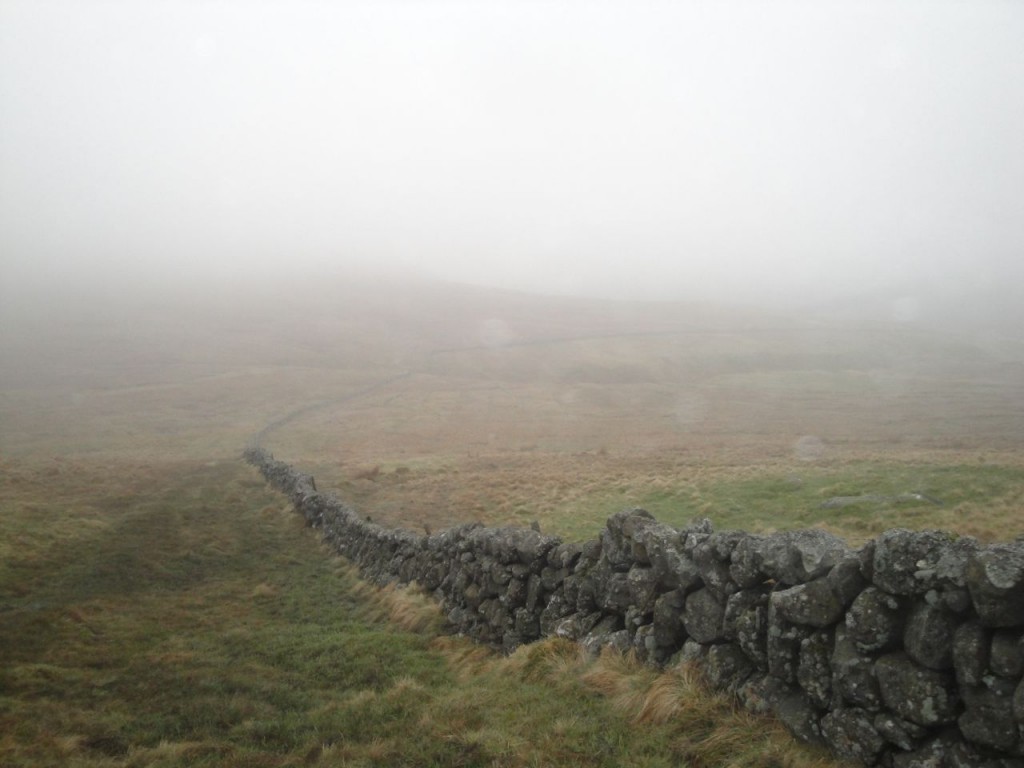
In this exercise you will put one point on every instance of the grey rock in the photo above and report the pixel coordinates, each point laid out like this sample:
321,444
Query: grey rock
616,596
995,578
727,667
814,669
851,735
556,610
918,694
746,621
928,637
577,625
783,645
712,559
794,557
853,674
668,619
971,647
1018,704
761,693
800,717
903,733
1007,655
908,562
703,616
644,645
813,604
988,717
846,580
643,588
671,565
875,620
745,562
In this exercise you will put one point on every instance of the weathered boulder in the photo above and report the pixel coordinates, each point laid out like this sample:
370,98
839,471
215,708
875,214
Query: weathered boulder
800,716
995,578
672,567
746,621
846,580
903,733
928,636
1007,654
971,647
814,669
813,604
988,717
914,562
703,616
851,735
875,620
727,666
668,623
794,557
921,695
643,588
853,673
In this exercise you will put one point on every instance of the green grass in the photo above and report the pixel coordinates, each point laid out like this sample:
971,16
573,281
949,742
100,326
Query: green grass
179,614
980,499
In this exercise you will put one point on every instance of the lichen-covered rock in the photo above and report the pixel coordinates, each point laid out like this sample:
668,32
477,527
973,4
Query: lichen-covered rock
712,557
643,588
614,594
703,616
783,646
988,717
971,646
672,567
1007,654
846,580
668,619
576,625
795,557
853,673
928,637
812,604
745,562
921,695
746,621
995,578
851,735
875,620
903,733
727,667
800,717
814,669
914,562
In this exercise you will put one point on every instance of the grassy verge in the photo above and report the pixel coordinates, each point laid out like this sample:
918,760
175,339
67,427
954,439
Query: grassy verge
178,614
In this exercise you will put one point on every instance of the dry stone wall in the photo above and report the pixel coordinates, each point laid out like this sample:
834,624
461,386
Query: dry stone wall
908,652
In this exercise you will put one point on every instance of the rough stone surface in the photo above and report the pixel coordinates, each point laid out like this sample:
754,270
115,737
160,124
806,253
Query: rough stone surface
875,620
852,735
703,617
995,579
971,645
988,718
813,604
921,695
928,637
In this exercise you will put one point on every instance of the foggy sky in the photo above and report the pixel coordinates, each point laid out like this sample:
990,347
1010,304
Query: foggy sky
749,150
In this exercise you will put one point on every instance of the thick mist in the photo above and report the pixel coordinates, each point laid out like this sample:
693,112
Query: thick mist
799,154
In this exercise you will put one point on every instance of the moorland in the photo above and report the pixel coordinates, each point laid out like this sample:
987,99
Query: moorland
160,606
